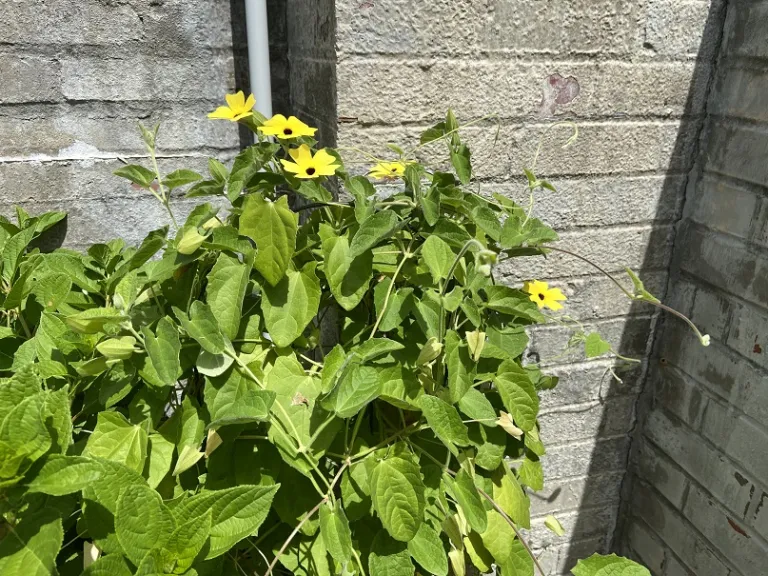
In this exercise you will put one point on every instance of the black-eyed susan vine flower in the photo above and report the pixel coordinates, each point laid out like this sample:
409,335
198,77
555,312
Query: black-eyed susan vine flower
305,165
286,128
387,170
237,108
543,295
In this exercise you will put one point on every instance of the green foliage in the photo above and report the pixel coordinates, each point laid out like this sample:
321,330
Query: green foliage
334,393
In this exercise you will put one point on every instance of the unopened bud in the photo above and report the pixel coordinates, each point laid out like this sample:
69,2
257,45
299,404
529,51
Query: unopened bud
190,241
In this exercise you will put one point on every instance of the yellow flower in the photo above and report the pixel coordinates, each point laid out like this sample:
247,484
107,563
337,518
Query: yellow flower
285,128
387,170
237,107
543,295
307,166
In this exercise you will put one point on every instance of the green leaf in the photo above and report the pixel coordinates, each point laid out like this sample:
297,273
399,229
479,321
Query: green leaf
430,205
62,475
116,439
598,565
470,501
476,405
373,230
389,557
163,351
235,513
109,565
532,474
376,347
233,398
461,367
518,562
202,326
640,291
273,226
444,421
518,395
594,345
348,277
93,320
499,538
359,386
356,489
120,348
553,524
397,492
461,160
186,542
305,557
30,548
510,497
363,192
227,282
438,257
398,306
137,174
427,549
24,437
433,133
487,220
142,522
206,188
179,178
334,529
400,386
291,305
513,303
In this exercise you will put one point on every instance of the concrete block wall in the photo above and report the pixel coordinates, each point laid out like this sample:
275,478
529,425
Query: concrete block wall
77,75
696,500
643,73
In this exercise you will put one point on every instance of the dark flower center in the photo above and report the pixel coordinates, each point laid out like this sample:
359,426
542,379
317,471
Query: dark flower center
541,296
311,171
287,131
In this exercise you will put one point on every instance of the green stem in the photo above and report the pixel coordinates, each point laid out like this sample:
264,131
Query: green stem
405,258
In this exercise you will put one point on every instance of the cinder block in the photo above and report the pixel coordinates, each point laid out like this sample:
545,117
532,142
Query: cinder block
739,91
600,201
647,546
611,248
676,568
759,514
145,77
585,457
658,470
681,28
749,334
724,207
474,88
744,35
710,468
601,148
760,225
590,381
676,532
569,494
711,313
105,128
741,439
679,395
724,262
738,150
84,22
735,541
29,79
719,369
580,421
579,525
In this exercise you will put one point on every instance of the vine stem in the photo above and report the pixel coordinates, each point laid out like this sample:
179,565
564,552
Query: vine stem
634,298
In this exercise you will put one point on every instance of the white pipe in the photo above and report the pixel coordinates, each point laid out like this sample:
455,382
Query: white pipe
258,54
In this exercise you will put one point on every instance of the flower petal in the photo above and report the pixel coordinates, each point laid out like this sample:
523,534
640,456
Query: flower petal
250,102
291,167
235,101
222,113
323,158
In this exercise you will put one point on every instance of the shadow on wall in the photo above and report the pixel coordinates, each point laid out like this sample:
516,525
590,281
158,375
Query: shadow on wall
639,333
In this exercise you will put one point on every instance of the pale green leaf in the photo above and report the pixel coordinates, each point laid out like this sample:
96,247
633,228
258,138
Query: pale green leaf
476,405
438,257
163,351
359,386
518,561
594,345
234,398
518,395
553,524
30,549
348,276
116,439
109,565
597,565
509,495
498,538
137,174
186,542
62,475
461,367
159,459
470,501
202,326
227,282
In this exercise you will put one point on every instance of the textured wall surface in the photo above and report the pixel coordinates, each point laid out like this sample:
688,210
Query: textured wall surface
697,504
642,68
77,75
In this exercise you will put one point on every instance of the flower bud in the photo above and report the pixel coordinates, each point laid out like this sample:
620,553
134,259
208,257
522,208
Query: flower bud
212,223
117,348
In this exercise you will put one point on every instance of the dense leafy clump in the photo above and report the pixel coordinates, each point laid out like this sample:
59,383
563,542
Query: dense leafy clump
295,384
